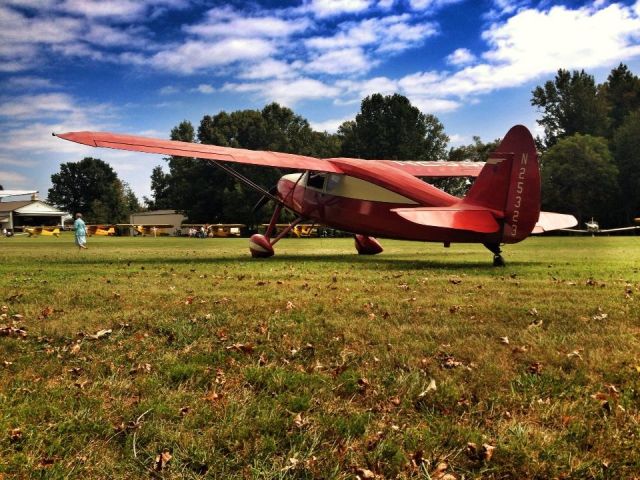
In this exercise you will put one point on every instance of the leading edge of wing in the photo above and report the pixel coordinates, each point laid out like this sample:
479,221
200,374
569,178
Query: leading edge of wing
198,150
420,168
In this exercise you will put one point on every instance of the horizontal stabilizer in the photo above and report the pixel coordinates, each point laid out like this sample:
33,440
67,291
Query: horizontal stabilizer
553,221
479,220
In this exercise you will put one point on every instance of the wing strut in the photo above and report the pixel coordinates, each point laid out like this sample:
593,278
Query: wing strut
250,183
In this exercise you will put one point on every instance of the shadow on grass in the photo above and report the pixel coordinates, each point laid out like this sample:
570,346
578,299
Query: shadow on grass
367,263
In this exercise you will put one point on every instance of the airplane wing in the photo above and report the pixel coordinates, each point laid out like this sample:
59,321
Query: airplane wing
436,169
198,150
12,193
548,221
263,158
622,229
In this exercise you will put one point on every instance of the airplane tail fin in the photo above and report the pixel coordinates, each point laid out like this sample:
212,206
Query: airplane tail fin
509,185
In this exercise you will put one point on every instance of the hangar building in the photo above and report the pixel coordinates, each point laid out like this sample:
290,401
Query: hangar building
30,213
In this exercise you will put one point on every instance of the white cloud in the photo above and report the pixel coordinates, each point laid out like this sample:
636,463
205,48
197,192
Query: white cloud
195,55
270,68
16,161
29,82
287,92
168,90
329,8
518,53
341,62
12,178
205,88
363,88
120,9
461,56
387,34
35,106
331,125
226,22
430,5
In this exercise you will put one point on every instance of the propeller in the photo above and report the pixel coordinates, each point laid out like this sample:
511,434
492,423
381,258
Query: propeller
264,199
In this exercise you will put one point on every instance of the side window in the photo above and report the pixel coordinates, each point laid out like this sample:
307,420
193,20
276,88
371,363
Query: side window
332,182
316,180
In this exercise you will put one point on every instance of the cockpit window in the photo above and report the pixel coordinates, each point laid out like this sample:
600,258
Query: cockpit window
332,182
316,180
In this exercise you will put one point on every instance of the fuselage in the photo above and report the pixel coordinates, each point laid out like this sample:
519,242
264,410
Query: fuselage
355,205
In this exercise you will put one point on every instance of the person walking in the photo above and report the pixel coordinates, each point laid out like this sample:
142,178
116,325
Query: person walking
81,232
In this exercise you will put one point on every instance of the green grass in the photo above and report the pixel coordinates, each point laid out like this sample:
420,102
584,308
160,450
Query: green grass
315,363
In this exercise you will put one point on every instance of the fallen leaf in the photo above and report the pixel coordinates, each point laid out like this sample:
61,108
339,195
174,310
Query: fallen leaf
487,452
298,421
46,312
439,472
184,410
100,334
12,331
533,312
46,462
535,368
430,388
162,459
575,354
290,305
15,434
242,347
504,340
535,323
75,348
213,397
364,474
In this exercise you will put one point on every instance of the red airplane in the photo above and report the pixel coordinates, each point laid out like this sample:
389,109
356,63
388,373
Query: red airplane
384,198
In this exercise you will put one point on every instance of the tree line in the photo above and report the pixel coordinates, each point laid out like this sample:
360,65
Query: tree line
590,154
591,145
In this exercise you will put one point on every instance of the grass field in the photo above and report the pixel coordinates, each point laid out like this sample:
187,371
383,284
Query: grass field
422,362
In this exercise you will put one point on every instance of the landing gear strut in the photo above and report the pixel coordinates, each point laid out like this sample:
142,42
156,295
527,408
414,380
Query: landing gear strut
261,246
494,248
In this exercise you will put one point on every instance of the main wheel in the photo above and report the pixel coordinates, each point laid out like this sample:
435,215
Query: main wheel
260,247
367,245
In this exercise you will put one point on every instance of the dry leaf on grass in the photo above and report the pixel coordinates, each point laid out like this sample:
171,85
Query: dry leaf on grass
15,434
504,340
535,368
12,331
100,334
430,388
162,460
364,474
242,347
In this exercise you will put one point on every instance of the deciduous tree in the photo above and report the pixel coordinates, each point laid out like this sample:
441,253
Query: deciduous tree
92,187
626,150
389,127
570,104
580,177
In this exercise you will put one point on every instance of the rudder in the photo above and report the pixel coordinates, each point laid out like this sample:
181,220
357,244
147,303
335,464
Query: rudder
509,185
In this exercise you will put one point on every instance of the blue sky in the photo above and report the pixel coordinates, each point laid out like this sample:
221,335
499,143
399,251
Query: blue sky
142,66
